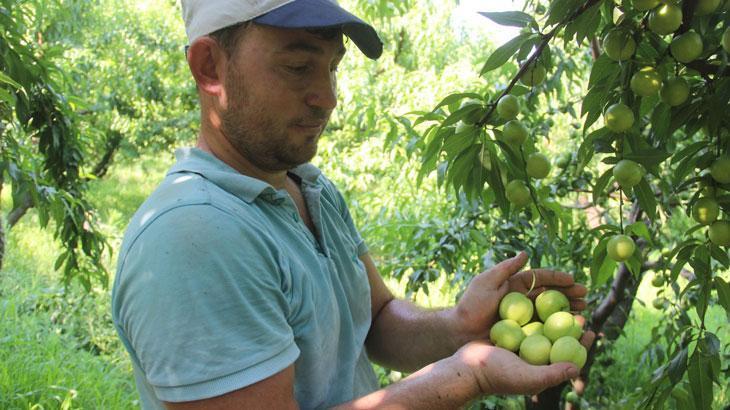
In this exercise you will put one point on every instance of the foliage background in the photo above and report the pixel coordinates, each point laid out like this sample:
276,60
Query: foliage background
122,67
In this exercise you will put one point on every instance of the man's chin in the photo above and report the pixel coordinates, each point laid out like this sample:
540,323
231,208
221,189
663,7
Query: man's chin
303,156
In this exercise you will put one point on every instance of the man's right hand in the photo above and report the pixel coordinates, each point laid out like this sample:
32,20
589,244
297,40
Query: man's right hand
499,371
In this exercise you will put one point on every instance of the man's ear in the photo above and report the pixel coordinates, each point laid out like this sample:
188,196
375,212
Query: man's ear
207,62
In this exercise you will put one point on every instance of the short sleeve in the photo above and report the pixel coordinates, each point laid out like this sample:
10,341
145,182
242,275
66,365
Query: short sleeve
202,303
336,197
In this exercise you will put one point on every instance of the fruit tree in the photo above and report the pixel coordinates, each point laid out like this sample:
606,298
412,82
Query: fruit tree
650,141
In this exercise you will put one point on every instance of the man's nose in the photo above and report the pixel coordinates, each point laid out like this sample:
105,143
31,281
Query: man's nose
323,93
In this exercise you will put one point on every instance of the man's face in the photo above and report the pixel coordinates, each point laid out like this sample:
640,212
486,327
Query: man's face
281,89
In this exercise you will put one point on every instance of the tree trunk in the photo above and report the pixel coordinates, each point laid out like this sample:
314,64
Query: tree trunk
112,145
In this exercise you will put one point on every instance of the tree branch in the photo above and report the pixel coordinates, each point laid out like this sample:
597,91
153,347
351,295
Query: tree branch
546,38
112,145
18,212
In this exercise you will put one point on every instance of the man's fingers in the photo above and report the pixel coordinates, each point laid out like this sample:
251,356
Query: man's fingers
552,375
545,277
587,339
499,274
576,291
578,305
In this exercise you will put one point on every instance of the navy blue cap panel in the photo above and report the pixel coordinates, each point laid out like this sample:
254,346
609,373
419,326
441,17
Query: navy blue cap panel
373,49
308,13
325,13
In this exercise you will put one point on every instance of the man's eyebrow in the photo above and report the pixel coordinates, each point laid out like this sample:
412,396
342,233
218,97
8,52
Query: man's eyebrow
308,48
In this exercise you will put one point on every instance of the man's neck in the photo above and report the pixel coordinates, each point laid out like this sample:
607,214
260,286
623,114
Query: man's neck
225,152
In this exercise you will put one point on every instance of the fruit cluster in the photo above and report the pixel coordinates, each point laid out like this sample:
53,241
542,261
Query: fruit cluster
515,133
543,333
665,18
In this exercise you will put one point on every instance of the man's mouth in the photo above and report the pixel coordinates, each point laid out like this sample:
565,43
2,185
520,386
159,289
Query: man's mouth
311,126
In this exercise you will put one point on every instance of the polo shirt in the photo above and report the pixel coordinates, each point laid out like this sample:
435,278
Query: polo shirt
220,284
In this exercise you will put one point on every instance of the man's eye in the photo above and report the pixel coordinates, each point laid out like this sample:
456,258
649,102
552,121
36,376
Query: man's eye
297,69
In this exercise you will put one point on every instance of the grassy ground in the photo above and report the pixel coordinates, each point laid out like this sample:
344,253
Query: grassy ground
58,348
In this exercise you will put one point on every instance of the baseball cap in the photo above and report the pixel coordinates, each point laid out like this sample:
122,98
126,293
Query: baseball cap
203,17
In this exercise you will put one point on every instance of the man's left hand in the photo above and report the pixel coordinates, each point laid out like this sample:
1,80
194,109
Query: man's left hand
478,309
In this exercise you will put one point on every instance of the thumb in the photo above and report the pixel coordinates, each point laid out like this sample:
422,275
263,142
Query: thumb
499,274
552,375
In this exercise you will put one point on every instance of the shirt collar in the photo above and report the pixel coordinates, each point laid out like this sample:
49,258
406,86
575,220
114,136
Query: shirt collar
247,188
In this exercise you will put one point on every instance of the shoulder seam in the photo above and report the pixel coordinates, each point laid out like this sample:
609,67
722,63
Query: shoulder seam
133,241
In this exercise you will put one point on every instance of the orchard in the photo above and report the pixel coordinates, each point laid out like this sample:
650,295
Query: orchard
651,135
596,138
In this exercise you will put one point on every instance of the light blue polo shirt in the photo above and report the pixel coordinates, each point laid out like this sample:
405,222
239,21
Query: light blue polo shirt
220,284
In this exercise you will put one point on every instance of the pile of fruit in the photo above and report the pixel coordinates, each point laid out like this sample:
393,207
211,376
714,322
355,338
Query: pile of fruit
543,333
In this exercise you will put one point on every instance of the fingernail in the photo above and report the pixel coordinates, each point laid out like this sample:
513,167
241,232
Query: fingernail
573,372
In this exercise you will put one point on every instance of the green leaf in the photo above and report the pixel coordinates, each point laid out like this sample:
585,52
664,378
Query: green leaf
453,98
430,116
7,80
647,201
560,10
700,381
459,169
683,256
723,294
700,262
681,117
639,229
661,119
510,18
649,157
494,179
710,345
455,144
602,267
592,106
6,97
585,151
633,264
720,255
600,187
587,23
503,53
678,366
605,70
689,151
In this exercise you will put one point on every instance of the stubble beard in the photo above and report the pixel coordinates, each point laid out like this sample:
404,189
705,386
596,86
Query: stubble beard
252,131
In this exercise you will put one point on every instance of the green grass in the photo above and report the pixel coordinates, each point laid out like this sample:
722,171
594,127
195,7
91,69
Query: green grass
58,348
42,369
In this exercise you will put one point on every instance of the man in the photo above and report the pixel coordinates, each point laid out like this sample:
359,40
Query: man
242,280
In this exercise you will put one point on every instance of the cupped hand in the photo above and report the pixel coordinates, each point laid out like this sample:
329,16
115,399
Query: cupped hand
478,308
499,371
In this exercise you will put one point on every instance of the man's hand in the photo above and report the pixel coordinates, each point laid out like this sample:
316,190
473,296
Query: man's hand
499,371
478,308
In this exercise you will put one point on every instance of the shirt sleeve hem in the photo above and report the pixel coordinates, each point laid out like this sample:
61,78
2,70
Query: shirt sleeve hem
226,384
362,248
